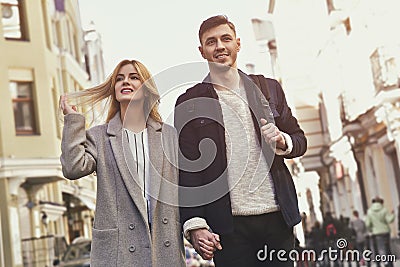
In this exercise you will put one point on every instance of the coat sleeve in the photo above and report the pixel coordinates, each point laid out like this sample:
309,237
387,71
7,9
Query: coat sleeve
389,217
188,151
78,150
288,123
368,223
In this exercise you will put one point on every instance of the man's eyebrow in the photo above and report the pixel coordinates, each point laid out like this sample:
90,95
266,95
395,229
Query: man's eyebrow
210,38
226,35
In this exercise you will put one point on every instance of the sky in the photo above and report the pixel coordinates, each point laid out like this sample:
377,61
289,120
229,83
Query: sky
162,34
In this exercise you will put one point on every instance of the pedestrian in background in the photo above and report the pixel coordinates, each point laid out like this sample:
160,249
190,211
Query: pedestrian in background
378,222
134,155
332,227
317,241
360,230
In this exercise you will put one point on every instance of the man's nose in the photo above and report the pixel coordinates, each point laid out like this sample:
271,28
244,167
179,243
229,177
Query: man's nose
220,45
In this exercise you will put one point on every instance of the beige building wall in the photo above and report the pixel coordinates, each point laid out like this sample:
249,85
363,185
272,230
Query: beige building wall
36,202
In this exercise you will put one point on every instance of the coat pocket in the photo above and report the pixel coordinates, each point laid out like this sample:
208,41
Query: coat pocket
104,248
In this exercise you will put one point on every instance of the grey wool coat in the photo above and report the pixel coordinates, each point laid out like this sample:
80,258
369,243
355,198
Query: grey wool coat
121,233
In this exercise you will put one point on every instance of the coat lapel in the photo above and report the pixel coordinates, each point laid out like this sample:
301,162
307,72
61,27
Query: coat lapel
125,163
156,158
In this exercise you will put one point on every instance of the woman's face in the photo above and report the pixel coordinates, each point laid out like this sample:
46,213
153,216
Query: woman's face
128,86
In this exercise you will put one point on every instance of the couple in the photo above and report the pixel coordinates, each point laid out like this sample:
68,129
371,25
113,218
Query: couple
135,157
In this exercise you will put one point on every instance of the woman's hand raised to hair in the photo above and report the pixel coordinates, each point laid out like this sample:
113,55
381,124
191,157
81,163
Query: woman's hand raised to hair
66,108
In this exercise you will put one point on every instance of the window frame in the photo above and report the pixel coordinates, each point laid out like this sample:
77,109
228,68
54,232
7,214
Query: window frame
22,19
31,102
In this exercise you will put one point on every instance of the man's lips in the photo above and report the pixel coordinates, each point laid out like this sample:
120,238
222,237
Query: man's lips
221,56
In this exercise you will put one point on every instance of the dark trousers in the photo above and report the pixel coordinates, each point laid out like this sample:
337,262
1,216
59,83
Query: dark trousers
256,241
381,244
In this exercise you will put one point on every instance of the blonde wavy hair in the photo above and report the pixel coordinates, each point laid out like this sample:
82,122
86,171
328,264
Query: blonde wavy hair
105,91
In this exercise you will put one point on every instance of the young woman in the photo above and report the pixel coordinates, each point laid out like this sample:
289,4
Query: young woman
134,156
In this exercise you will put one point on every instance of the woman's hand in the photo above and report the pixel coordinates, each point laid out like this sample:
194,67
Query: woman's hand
66,108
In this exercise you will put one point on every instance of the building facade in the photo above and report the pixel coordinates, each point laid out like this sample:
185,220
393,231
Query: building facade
361,157
43,55
339,65
349,71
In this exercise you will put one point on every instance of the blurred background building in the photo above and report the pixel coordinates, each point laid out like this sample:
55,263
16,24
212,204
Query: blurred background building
44,54
339,64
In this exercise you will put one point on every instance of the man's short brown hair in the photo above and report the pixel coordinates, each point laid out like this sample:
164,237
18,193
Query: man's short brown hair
213,22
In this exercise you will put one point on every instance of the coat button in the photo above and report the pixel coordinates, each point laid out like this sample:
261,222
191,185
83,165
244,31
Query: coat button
167,243
131,226
165,220
132,248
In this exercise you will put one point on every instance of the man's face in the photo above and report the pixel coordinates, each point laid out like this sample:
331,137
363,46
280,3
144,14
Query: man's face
220,45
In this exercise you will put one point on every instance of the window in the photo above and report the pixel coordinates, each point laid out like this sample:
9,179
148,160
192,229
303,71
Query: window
13,19
53,12
24,111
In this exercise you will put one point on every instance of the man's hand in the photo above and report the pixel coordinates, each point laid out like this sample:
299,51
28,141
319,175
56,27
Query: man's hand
205,243
272,134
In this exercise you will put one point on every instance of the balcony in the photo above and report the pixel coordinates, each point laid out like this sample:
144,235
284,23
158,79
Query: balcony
385,64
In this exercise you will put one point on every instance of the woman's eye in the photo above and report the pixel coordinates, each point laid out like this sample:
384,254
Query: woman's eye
119,79
134,78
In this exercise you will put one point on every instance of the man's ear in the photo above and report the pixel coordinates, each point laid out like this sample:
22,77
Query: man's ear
238,44
201,51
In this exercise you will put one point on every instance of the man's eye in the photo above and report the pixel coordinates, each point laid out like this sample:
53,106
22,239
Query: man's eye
210,42
227,39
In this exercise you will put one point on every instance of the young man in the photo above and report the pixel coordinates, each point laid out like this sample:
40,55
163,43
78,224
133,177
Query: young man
238,201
